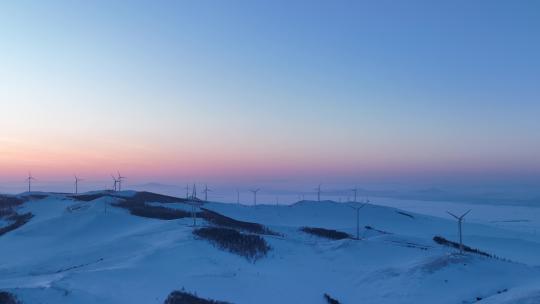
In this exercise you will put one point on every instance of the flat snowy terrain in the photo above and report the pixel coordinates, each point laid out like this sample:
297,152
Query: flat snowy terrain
87,250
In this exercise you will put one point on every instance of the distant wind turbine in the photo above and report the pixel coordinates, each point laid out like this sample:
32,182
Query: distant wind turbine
120,178
318,189
254,191
194,192
115,182
195,203
460,222
205,191
357,208
30,178
238,196
355,191
77,180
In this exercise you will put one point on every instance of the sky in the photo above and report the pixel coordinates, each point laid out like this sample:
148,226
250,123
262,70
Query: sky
295,93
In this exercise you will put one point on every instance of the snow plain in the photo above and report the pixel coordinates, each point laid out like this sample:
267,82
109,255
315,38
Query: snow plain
97,253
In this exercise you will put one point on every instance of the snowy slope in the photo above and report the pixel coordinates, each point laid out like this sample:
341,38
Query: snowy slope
97,253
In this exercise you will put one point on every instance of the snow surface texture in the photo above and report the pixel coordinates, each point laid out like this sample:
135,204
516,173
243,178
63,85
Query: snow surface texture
75,251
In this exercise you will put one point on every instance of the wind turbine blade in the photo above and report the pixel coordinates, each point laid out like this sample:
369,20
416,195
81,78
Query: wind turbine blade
453,215
465,213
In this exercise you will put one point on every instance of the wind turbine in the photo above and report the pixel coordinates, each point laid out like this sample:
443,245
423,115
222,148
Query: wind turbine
254,191
205,191
115,181
355,191
194,203
194,192
238,196
318,189
357,208
120,178
77,180
460,221
30,178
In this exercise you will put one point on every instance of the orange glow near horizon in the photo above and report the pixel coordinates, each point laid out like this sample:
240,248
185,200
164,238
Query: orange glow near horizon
60,160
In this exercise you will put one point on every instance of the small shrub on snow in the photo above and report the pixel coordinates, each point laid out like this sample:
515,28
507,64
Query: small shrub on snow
377,230
182,297
330,300
8,298
326,233
250,246
405,214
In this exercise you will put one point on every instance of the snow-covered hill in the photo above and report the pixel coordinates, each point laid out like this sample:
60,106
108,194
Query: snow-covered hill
87,250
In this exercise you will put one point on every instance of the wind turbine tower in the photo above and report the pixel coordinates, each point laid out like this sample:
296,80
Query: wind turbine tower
460,222
30,178
255,195
318,189
355,191
357,208
205,191
77,180
238,196
120,178
194,192
115,182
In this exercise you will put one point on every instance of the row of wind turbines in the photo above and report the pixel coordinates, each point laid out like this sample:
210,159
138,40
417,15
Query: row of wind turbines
117,186
118,179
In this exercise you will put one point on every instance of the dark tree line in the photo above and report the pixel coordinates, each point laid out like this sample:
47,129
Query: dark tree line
250,246
326,233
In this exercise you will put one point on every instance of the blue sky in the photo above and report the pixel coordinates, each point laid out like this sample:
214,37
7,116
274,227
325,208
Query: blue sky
342,91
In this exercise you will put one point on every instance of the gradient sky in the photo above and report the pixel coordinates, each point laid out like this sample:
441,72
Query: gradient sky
243,91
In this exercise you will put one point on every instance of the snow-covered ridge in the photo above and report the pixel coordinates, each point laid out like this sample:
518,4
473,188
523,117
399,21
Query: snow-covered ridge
87,249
